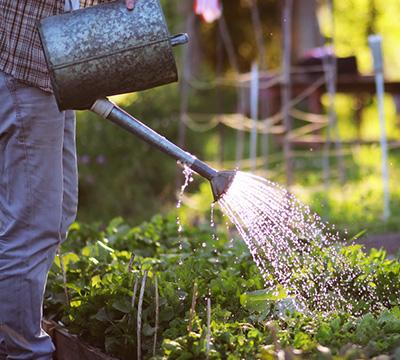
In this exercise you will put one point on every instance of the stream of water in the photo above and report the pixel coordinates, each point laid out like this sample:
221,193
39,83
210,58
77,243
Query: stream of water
293,248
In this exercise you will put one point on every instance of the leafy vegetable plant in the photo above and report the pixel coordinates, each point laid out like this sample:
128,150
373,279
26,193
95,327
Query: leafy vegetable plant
162,291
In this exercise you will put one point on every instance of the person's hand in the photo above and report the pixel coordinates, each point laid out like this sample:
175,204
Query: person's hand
130,4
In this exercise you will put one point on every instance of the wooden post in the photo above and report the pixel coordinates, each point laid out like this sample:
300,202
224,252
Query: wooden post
226,38
254,91
375,43
287,91
220,110
330,70
305,30
185,81
255,15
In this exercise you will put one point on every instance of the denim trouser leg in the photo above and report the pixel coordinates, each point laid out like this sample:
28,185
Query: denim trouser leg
38,202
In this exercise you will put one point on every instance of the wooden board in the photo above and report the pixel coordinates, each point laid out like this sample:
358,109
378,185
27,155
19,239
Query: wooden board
70,347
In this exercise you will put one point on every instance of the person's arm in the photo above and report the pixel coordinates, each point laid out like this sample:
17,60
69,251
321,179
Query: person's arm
130,4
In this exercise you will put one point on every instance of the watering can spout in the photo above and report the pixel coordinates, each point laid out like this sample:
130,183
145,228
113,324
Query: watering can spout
220,180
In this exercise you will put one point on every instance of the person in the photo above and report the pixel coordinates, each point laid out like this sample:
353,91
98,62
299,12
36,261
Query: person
38,175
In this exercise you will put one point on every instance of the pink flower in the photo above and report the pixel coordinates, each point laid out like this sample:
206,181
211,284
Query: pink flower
210,10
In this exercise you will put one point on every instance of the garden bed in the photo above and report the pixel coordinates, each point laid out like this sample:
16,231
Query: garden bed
70,347
200,295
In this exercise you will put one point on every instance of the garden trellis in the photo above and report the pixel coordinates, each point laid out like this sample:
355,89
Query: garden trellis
271,122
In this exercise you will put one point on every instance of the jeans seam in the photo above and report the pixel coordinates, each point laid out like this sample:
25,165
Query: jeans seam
12,87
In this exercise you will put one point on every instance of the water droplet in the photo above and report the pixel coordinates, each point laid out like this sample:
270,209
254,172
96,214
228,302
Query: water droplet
188,172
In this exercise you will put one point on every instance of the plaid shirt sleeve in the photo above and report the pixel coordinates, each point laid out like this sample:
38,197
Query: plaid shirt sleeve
21,53
86,3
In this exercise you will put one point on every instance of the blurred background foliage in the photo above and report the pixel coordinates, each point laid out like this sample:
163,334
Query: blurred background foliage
122,176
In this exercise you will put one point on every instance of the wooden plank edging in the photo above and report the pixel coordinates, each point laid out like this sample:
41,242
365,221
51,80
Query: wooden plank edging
70,347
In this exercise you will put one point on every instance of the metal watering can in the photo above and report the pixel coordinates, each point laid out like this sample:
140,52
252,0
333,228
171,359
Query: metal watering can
107,50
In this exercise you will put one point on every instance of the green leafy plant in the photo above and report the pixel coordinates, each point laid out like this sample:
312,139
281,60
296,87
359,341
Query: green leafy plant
114,302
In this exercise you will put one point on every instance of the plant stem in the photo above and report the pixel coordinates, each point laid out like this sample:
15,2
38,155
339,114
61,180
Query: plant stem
139,316
208,326
157,314
272,329
192,309
131,263
64,275
133,304
135,291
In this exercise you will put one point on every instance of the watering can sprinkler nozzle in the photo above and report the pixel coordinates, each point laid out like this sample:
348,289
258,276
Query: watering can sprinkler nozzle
220,180
221,183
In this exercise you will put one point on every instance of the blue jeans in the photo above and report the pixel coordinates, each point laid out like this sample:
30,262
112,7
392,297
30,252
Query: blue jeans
38,203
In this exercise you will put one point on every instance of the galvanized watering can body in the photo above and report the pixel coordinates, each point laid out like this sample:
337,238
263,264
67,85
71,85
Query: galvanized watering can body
106,50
